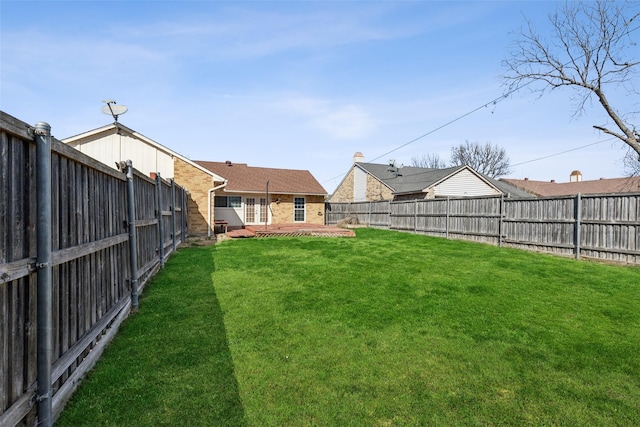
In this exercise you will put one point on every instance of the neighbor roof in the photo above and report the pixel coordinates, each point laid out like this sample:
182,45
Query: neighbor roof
600,186
407,179
411,179
243,178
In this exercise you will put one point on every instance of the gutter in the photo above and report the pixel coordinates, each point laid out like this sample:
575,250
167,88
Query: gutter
224,184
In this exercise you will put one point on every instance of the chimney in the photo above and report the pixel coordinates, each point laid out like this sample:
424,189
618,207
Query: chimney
358,157
576,176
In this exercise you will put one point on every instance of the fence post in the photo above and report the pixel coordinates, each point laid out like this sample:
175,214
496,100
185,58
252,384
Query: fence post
578,215
447,220
370,208
500,221
133,240
389,217
173,214
183,217
415,216
160,220
44,274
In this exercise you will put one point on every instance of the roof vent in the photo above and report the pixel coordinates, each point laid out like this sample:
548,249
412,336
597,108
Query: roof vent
228,163
553,180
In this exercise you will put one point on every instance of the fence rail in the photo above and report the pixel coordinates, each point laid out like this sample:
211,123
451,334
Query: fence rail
605,226
91,274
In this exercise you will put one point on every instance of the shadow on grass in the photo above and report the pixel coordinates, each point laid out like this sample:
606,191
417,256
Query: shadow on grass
230,410
170,363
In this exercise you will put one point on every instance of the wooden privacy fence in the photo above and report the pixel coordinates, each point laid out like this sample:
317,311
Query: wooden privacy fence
605,226
90,268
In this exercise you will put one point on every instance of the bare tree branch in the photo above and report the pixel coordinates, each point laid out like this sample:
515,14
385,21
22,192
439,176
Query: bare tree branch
431,161
590,49
488,159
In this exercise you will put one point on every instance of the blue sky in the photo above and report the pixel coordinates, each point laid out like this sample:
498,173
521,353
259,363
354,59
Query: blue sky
301,84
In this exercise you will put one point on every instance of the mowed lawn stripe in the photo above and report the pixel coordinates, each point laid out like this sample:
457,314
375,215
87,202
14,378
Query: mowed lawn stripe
383,329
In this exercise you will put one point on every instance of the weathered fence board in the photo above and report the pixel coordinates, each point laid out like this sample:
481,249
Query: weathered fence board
595,226
91,281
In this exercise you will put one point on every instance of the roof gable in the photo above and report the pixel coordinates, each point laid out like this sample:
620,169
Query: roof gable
244,178
408,179
115,127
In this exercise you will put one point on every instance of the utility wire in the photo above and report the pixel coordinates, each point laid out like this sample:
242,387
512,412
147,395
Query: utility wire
492,102
564,152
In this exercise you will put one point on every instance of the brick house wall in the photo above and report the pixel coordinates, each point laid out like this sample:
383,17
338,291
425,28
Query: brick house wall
282,213
375,190
429,194
198,183
344,192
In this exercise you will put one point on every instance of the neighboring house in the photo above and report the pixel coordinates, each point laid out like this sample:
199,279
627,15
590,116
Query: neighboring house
576,185
115,142
372,182
258,195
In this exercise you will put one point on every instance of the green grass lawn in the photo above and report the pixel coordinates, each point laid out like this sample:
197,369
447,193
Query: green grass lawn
384,329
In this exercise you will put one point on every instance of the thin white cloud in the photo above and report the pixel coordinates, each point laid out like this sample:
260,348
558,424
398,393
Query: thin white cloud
238,33
341,121
74,56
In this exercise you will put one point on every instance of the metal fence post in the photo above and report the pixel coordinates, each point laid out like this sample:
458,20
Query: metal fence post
160,220
44,274
578,215
183,217
133,242
173,214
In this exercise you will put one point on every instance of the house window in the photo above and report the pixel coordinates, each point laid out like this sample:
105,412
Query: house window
228,201
250,210
263,210
299,209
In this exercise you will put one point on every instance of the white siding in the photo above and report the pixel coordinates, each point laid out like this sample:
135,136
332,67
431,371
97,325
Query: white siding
234,216
113,148
464,184
359,185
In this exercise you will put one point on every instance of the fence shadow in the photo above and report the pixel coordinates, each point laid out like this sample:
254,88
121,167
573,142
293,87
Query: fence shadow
176,345
230,410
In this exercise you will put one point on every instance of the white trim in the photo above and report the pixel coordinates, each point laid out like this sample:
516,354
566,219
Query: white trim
212,190
160,147
304,211
273,192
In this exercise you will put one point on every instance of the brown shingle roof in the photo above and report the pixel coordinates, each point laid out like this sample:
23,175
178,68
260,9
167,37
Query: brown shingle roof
601,186
243,178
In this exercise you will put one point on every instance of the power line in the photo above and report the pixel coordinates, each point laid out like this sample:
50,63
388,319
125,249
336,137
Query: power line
494,102
563,152
485,105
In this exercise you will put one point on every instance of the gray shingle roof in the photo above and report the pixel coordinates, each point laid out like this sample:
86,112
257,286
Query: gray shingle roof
410,179
407,179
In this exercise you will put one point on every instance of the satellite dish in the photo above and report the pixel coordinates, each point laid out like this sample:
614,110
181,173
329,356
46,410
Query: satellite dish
113,110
